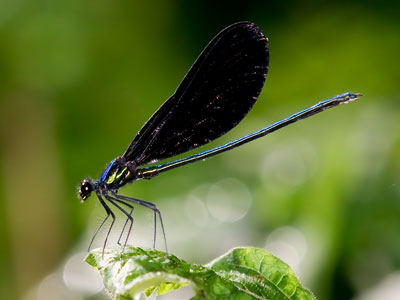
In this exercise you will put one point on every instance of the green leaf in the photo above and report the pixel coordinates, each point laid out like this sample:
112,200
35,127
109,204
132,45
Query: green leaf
242,273
259,273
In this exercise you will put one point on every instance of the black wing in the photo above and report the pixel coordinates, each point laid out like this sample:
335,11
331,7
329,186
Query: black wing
216,94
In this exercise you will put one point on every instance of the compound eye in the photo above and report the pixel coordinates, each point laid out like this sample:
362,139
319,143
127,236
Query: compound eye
85,189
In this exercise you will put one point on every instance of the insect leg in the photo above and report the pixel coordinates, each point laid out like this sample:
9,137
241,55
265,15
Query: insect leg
127,219
155,210
109,212
112,201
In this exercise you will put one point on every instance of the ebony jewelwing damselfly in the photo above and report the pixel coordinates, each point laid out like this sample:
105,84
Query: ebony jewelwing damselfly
216,94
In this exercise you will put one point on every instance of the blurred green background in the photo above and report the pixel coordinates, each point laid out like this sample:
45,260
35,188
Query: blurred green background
79,78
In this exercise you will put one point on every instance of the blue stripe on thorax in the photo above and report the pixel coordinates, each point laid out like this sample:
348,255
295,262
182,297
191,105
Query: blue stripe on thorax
105,173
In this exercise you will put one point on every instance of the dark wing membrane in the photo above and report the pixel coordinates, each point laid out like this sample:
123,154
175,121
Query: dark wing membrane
216,94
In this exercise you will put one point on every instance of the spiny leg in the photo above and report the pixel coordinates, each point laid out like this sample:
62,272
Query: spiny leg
109,212
154,209
126,222
155,212
112,201
98,229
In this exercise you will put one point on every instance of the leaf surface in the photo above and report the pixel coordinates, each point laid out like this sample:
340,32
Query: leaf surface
242,273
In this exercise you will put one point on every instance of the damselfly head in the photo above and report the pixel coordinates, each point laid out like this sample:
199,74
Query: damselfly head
85,189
